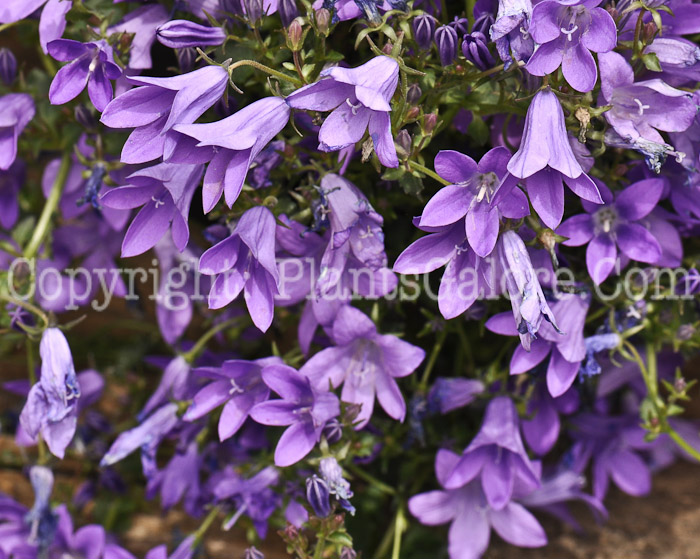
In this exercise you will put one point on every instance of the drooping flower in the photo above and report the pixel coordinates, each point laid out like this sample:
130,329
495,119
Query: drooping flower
245,261
359,98
156,107
544,159
639,110
566,31
17,109
469,197
51,407
165,191
678,58
497,454
238,385
237,141
178,479
304,408
182,33
91,64
615,224
366,363
471,516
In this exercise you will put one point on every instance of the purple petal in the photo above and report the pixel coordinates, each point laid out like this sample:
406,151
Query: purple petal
578,229
69,81
601,257
454,166
546,192
518,526
447,206
294,444
637,243
637,200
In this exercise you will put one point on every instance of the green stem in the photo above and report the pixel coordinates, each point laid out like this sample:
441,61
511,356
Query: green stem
204,526
42,227
433,358
423,169
683,444
265,69
320,546
399,527
380,485
27,306
193,353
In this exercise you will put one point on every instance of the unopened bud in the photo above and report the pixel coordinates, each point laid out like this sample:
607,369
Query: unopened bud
685,332
323,21
413,113
424,30
253,553
84,117
446,40
333,431
680,384
318,495
186,59
429,122
348,553
288,11
295,35
403,144
253,10
8,66
387,48
181,33
414,94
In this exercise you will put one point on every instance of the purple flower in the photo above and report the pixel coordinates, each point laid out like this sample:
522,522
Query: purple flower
243,135
52,22
424,30
545,158
566,31
305,409
469,197
10,183
181,33
156,107
141,23
180,478
472,518
238,385
176,384
88,541
8,66
475,49
359,98
17,109
613,225
318,496
510,31
446,40
366,363
498,454
449,394
165,191
245,261
92,64
51,407
679,58
640,109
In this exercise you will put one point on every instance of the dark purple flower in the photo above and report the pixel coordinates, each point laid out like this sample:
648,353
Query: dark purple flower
366,363
305,409
566,31
424,30
476,51
318,496
17,109
8,66
91,64
358,98
181,33
613,225
10,183
446,40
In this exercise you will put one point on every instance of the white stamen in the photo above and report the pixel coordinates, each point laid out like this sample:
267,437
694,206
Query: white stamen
157,202
569,32
235,389
354,108
365,234
641,106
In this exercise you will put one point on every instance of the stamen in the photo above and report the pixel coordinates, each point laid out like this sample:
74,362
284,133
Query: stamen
158,202
235,389
354,108
368,233
641,106
569,32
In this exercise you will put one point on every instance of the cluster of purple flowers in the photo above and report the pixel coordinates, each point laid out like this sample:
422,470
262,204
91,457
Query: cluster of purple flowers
299,346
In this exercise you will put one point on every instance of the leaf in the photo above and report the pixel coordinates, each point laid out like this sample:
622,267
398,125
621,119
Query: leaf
411,184
651,61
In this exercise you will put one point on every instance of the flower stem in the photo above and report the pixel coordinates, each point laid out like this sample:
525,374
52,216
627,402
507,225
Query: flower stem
433,358
380,485
399,527
205,525
42,227
683,444
265,69
27,306
197,348
426,171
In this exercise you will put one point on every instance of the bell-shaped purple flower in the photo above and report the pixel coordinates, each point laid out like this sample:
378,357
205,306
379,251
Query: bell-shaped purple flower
51,407
17,109
469,197
302,407
639,110
446,40
498,454
545,158
237,141
566,32
424,30
91,64
471,516
615,224
156,107
245,261
165,191
510,31
678,57
238,385
366,363
359,98
181,33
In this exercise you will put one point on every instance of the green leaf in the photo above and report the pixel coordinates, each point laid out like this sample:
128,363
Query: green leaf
651,61
411,184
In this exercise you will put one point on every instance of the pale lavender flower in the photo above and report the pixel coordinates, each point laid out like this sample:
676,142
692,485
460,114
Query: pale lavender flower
141,23
510,31
304,408
181,33
52,22
16,110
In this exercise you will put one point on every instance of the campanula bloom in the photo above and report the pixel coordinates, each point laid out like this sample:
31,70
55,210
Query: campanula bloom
157,106
471,517
182,33
498,454
10,183
141,24
566,31
17,109
304,408
510,31
238,385
366,363
237,140
52,22
8,66
175,384
178,479
544,159
446,40
165,191
359,98
678,58
245,261
51,407
615,225
639,110
91,64
469,197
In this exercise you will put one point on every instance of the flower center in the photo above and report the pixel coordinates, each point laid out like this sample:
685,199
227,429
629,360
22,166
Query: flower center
640,106
605,219
485,185
569,32
235,389
353,108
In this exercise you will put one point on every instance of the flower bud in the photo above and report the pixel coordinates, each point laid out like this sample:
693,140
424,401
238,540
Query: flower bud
483,24
253,553
674,53
8,66
295,35
186,59
685,332
333,431
412,113
424,30
475,50
318,496
348,553
253,10
84,117
414,94
429,122
446,41
370,11
323,21
403,144
460,25
288,11
181,33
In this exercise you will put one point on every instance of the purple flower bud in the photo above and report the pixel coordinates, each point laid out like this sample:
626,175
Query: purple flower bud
475,51
8,66
288,11
181,33
348,553
414,94
84,116
446,41
483,24
318,495
253,553
186,59
370,10
424,30
333,431
460,25
253,10
323,20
